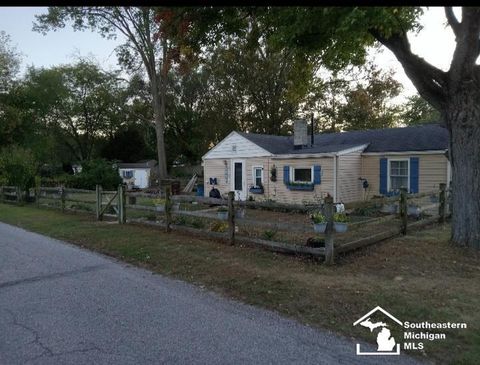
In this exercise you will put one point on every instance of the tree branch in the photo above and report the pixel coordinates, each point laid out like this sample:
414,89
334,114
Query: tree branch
430,81
467,48
452,20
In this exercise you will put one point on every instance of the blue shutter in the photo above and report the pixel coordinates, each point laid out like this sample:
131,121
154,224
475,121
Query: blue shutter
317,175
414,175
286,174
383,175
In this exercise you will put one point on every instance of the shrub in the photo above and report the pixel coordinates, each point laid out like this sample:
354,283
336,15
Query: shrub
269,234
95,172
18,167
219,227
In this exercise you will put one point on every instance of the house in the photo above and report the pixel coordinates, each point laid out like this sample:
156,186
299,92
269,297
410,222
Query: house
350,166
136,175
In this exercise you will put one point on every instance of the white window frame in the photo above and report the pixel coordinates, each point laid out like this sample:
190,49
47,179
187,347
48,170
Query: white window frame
292,174
389,184
254,177
124,172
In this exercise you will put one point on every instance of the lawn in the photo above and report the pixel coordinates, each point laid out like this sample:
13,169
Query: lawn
416,278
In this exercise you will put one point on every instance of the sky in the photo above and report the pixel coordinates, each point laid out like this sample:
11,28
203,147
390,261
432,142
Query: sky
435,43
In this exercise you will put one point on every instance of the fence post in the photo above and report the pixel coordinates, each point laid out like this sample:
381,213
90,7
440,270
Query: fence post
441,207
37,191
19,194
1,194
168,208
231,217
62,198
121,204
98,199
329,242
403,211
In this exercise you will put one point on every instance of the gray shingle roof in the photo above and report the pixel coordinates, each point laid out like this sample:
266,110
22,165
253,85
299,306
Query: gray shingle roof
428,137
144,164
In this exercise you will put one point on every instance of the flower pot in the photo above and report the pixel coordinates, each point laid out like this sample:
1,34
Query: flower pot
340,227
160,207
319,227
413,210
389,208
222,215
176,207
240,213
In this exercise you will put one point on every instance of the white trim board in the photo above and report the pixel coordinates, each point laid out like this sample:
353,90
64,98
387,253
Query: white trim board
409,153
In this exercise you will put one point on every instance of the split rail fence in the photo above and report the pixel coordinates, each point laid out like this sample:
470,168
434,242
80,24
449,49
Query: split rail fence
277,227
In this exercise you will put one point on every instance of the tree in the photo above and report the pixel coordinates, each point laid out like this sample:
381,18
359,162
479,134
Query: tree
342,35
9,62
18,167
355,98
79,104
368,106
126,145
140,29
417,111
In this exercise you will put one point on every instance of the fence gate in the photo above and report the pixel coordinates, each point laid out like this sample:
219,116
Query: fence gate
111,198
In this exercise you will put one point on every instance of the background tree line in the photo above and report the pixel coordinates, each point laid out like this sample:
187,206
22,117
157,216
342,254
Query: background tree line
70,114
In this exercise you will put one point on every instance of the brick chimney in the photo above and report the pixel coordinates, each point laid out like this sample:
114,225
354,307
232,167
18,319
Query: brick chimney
300,134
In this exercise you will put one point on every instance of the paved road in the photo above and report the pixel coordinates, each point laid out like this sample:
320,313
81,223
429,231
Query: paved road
60,304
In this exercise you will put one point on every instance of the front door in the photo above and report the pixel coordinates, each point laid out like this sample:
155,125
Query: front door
239,185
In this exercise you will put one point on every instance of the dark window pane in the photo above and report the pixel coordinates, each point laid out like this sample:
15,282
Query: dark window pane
302,175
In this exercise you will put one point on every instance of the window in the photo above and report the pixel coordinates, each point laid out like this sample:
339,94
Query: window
127,174
302,175
257,176
399,176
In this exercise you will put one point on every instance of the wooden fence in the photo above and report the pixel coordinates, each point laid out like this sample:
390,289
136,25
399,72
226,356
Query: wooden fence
119,204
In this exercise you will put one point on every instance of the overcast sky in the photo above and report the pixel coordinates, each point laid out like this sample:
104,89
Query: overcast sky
435,43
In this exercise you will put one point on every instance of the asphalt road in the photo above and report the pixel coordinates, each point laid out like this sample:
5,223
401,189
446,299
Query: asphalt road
60,304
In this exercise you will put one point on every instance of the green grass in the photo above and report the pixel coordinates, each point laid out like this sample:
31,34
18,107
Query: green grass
416,278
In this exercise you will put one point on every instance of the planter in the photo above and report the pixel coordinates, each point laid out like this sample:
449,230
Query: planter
319,227
301,187
240,213
413,211
222,215
389,208
256,190
340,227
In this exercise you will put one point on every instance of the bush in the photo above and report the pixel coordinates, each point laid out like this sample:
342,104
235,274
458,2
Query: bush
100,171
18,167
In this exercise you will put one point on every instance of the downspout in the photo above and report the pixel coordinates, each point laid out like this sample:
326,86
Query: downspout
335,156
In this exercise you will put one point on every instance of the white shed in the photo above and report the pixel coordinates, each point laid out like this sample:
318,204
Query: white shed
136,175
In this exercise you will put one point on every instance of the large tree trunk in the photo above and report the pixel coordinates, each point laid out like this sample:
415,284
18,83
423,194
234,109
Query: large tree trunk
159,115
463,119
